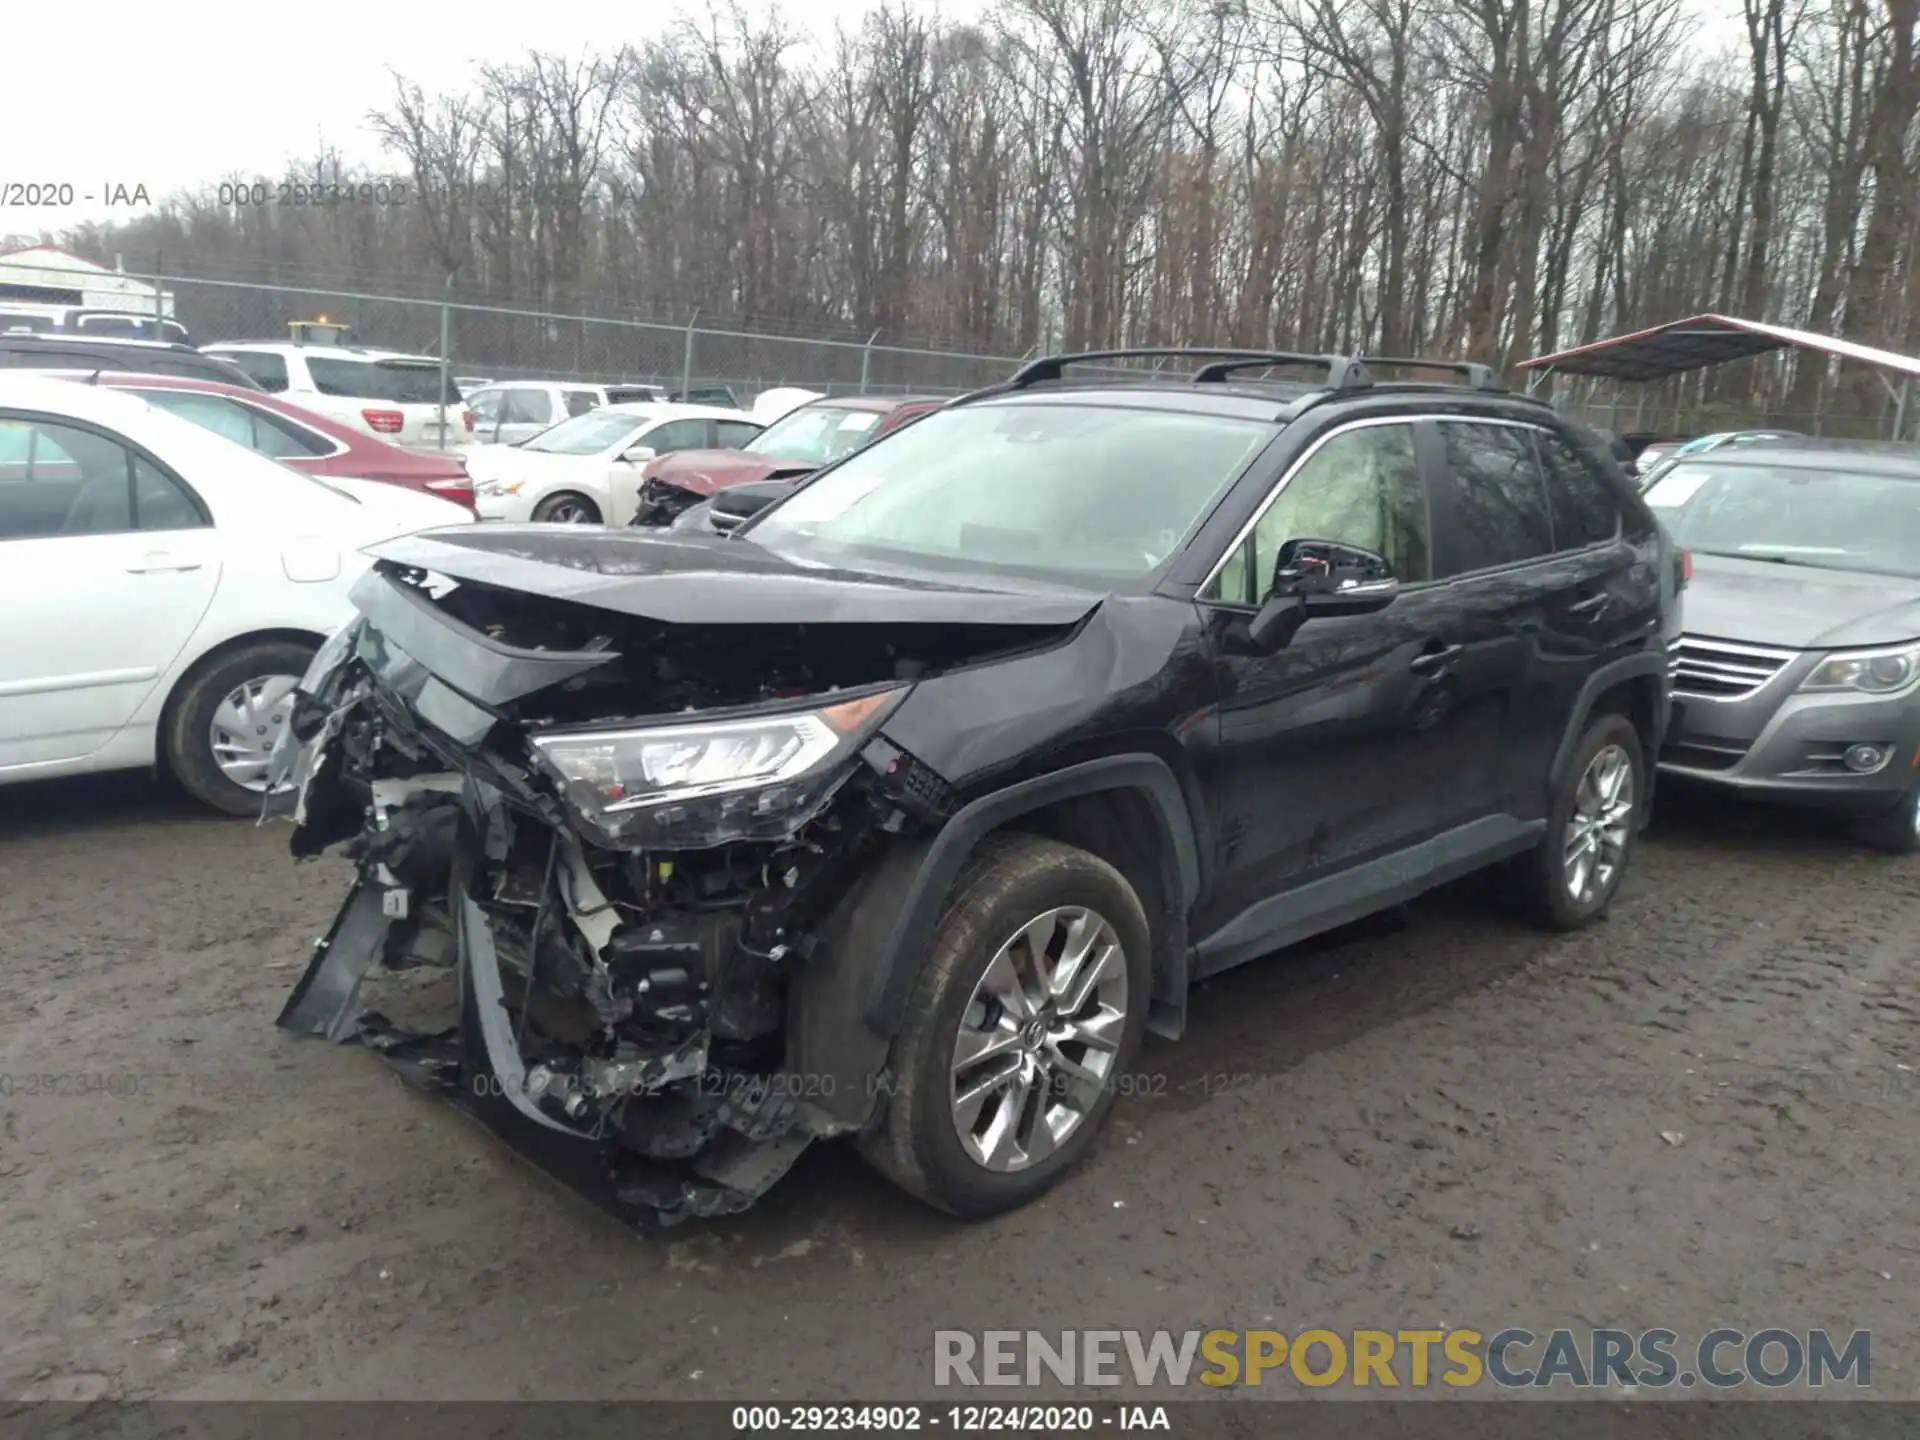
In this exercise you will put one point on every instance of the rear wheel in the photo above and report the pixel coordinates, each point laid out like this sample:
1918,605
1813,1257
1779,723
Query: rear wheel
227,717
1029,1007
1571,879
1897,831
567,507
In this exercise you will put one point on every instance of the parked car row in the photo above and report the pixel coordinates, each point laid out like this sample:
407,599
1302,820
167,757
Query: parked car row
385,393
165,585
1650,458
94,322
792,447
587,469
509,411
309,442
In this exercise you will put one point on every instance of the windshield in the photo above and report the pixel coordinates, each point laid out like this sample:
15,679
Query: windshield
815,434
1837,519
587,434
1077,494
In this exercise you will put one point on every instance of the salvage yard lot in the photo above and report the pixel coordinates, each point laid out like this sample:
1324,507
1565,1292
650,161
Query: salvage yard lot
1698,1113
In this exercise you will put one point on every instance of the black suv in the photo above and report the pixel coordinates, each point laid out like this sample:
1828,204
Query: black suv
905,810
146,357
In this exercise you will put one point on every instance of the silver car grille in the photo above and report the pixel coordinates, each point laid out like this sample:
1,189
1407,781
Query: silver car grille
1722,670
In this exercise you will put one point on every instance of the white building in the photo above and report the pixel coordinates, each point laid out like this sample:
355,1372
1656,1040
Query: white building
43,280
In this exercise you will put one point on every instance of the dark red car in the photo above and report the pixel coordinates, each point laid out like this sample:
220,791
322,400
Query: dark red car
796,444
309,443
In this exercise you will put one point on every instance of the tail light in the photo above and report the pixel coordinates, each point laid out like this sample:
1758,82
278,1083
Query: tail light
384,422
466,418
1682,569
460,491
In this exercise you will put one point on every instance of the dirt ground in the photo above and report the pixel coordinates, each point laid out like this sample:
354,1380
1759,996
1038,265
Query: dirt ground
1445,1119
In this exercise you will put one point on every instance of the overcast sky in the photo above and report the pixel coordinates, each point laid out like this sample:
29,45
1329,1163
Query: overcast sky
242,88
214,86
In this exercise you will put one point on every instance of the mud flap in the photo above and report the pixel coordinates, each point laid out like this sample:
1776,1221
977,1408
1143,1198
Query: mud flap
326,1001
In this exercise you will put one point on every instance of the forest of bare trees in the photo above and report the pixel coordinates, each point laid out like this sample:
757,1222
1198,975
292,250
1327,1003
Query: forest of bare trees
1486,177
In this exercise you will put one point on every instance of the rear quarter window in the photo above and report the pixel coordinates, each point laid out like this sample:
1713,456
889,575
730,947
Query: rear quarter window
1580,499
265,369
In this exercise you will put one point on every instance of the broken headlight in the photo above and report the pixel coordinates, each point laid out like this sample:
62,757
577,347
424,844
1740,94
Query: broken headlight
697,783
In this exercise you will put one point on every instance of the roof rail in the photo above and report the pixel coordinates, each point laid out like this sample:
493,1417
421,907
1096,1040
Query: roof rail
1342,372
1480,377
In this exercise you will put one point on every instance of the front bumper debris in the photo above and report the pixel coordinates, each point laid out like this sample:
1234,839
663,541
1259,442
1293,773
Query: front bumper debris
720,1138
615,1015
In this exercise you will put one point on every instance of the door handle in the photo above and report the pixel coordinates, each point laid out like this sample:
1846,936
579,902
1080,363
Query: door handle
1592,607
159,562
1432,662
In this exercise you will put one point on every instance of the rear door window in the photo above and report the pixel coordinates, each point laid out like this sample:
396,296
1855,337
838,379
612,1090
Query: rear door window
58,479
578,402
1497,497
526,407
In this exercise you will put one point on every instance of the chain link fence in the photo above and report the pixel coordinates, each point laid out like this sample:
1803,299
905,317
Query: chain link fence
506,343
498,342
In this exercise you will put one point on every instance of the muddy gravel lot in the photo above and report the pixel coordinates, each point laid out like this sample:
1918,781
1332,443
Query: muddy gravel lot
1700,1112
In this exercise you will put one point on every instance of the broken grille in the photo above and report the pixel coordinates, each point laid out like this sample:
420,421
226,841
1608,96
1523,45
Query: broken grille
1722,670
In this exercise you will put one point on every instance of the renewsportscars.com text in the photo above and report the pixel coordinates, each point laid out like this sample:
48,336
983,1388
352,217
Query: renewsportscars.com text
1506,1358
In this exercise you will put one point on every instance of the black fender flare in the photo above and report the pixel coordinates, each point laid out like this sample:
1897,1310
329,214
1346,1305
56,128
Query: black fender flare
1629,667
896,966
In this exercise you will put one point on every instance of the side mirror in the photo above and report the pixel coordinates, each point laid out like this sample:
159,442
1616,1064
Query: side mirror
1319,578
638,454
1332,578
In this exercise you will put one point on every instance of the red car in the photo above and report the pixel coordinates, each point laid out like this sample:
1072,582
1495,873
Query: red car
796,444
307,442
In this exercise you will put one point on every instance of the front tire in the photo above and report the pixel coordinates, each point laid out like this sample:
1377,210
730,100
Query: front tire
1028,1009
1592,827
567,507
226,718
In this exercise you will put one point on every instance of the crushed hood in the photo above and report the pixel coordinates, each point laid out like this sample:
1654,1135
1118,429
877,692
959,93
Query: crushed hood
1759,602
705,472
694,578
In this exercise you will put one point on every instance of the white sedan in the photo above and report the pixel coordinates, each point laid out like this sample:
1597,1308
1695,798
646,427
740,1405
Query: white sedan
586,470
165,588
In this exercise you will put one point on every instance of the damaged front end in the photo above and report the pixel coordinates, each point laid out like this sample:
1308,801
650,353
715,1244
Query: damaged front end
595,852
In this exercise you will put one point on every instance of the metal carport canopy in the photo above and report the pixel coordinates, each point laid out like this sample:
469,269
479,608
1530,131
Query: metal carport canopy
1703,340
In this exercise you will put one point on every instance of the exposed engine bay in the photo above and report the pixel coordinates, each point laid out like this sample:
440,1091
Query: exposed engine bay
621,841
